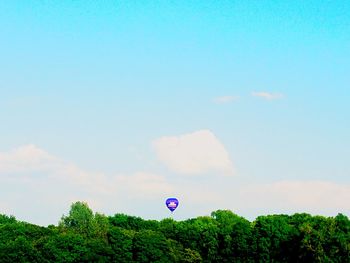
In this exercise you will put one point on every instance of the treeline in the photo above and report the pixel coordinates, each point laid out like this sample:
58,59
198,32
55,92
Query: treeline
84,236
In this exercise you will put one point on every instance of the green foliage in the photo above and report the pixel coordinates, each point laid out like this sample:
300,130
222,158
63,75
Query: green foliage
19,250
83,221
121,243
273,236
150,246
191,256
200,234
235,237
65,247
4,219
340,238
84,236
133,222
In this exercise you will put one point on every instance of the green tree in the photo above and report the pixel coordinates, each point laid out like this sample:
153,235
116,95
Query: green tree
121,243
19,250
82,220
151,246
83,236
170,228
133,222
200,234
4,219
191,256
273,236
340,239
65,247
234,237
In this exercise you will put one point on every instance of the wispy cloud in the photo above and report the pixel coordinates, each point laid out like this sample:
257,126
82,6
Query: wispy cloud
267,95
33,180
27,158
38,179
225,99
194,153
318,197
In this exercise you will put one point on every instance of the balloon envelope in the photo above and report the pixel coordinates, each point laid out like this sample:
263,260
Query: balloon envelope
172,203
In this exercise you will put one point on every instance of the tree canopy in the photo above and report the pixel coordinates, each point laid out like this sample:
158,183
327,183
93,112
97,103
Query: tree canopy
85,236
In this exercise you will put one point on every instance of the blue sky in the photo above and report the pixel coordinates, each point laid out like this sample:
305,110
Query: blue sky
240,105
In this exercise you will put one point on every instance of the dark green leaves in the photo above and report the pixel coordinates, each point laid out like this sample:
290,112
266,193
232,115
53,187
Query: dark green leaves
84,236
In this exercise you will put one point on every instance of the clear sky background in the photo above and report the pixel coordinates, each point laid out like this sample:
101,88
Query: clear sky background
240,105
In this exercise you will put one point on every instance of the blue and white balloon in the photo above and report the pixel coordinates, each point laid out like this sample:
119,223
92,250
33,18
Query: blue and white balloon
172,203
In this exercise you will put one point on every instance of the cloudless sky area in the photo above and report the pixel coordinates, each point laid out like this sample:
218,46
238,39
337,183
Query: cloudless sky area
120,103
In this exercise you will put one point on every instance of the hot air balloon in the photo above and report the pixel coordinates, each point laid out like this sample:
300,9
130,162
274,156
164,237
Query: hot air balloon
172,203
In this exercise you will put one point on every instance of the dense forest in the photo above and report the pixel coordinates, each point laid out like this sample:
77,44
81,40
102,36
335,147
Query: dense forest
84,236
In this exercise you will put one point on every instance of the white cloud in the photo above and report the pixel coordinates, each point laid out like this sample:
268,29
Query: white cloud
22,162
32,180
317,197
225,99
145,184
194,153
267,95
26,158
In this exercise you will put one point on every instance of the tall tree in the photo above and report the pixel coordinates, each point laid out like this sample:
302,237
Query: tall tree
82,220
234,237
